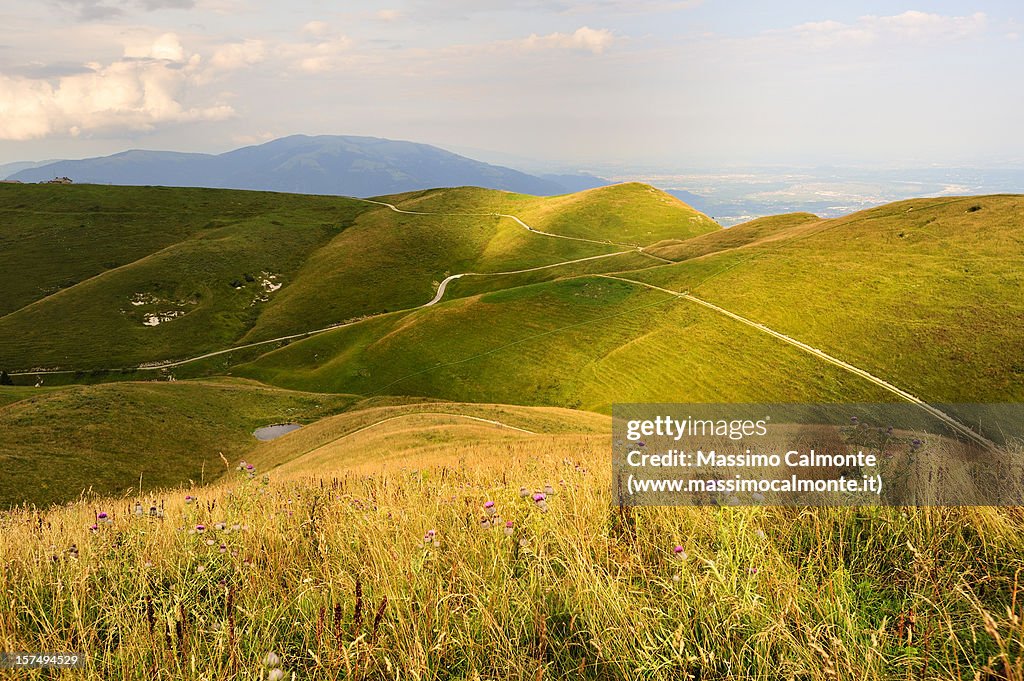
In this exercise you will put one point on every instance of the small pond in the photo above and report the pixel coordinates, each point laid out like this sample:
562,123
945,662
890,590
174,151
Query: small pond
275,431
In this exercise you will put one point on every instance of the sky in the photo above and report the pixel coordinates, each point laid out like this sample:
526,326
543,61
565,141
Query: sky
667,84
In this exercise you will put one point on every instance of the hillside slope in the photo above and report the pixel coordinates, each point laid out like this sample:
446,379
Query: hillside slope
928,292
925,294
267,265
59,443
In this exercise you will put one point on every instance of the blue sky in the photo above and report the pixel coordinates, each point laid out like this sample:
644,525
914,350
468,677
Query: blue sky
660,83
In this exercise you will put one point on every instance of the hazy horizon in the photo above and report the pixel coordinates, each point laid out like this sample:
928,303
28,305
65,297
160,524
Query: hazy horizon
644,83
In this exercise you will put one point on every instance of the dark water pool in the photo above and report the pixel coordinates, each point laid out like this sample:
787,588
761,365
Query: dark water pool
275,431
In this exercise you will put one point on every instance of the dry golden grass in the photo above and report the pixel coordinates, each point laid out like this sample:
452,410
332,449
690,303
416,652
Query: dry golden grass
329,568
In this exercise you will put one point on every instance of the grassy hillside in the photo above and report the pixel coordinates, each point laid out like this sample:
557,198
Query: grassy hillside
59,443
390,261
199,263
582,342
630,213
928,293
151,274
759,230
55,237
370,564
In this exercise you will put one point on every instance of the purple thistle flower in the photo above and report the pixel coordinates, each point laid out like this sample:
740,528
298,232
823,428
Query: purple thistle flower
678,549
200,528
853,420
189,498
101,515
94,527
539,497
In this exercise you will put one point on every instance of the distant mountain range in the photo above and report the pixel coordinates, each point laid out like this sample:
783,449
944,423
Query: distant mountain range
322,164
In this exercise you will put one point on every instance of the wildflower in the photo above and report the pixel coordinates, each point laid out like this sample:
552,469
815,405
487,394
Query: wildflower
679,552
853,420
272,661
489,507
430,538
236,528
485,523
152,511
540,500
189,498
138,508
760,533
889,430
219,526
509,528
523,492
548,489
275,675
200,528
201,568
94,527
102,516
210,542
752,570
641,444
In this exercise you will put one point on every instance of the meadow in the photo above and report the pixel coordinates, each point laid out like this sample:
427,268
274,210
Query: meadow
445,511
358,560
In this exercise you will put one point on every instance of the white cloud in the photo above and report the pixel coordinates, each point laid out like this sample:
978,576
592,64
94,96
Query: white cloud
144,90
232,56
909,27
325,52
166,47
583,39
316,28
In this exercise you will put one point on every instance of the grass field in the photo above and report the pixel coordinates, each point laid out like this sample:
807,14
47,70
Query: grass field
323,562
356,550
140,274
928,293
641,345
57,443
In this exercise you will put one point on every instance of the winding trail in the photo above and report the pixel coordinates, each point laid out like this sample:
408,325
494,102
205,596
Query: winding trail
820,354
438,296
685,295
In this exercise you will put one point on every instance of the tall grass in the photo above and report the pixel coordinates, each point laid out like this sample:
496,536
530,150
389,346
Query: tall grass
337,574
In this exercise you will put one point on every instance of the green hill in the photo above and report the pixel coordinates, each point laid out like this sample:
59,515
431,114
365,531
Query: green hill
928,293
922,294
135,275
58,443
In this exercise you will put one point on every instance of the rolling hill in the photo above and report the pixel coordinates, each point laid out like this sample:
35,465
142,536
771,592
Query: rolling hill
58,443
323,164
137,275
567,301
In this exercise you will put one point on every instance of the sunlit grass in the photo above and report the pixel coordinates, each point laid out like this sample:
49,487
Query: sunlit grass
386,571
